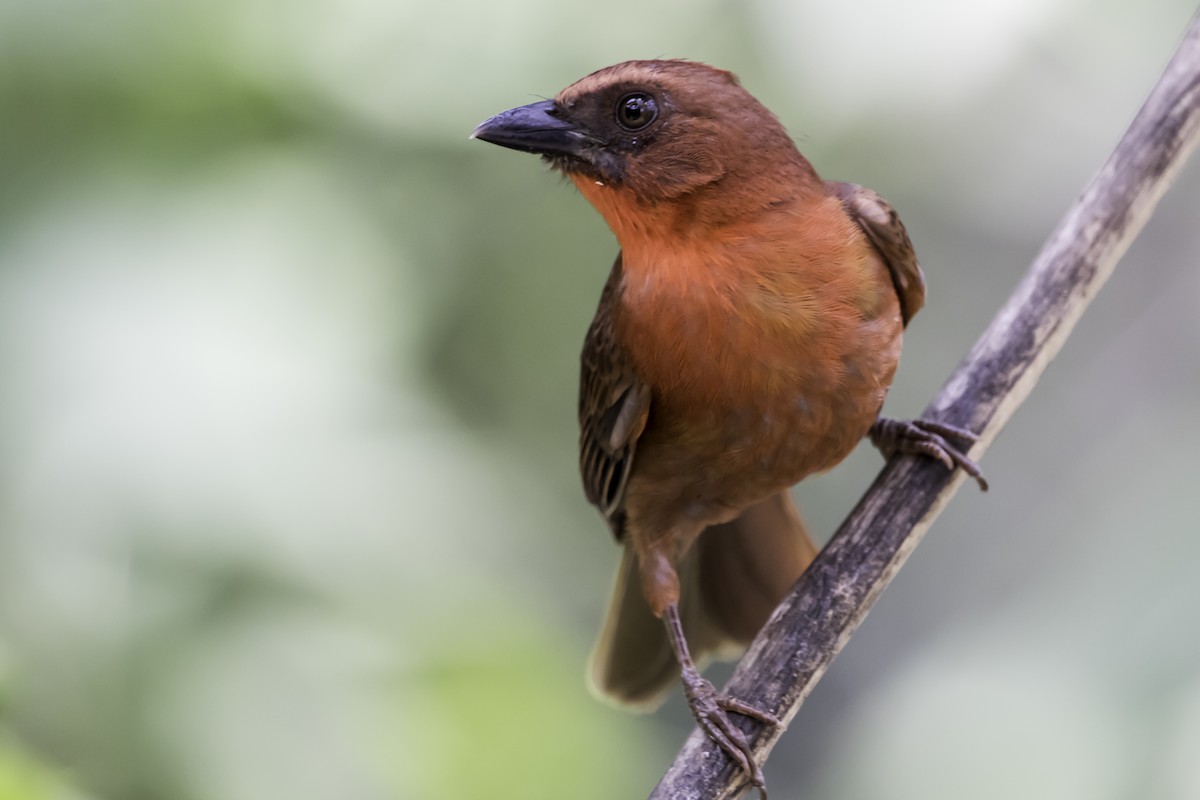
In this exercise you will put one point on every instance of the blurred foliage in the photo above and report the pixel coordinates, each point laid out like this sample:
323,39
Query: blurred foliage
22,778
287,373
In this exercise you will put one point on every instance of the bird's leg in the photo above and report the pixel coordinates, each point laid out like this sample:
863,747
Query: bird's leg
709,707
928,438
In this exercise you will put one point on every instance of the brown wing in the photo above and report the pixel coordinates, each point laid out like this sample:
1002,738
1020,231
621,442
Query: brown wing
883,227
613,407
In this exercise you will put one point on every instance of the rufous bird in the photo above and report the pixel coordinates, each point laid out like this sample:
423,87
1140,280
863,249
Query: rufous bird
746,338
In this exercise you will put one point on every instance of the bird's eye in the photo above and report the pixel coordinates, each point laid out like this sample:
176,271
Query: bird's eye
636,111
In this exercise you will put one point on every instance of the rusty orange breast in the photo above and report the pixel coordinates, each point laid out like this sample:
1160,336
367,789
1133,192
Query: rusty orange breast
769,352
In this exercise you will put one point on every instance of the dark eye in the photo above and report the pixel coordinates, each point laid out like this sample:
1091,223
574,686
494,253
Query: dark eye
635,111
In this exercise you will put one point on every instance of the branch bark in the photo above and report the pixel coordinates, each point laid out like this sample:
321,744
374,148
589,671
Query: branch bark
812,625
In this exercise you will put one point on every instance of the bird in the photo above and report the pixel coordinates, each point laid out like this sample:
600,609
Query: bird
746,338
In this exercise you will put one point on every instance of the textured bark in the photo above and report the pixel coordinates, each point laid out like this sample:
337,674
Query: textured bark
813,624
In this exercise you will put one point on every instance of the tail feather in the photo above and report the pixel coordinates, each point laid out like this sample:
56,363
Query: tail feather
730,582
632,662
748,566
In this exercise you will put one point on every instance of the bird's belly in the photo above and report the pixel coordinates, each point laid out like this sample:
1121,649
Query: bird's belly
706,456
777,441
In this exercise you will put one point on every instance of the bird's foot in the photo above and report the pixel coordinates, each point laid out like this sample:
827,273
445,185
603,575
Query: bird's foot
710,708
928,438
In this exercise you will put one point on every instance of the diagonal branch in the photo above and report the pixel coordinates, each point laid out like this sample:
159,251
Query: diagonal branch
813,624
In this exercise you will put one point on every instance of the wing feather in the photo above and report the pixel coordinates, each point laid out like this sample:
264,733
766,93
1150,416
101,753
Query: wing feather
882,225
614,405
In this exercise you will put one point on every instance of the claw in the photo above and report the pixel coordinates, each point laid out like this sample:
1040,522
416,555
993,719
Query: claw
710,708
747,710
928,438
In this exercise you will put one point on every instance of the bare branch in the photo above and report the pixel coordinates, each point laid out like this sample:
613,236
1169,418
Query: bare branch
813,624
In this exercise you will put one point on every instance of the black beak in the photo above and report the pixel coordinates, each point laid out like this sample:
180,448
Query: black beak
535,128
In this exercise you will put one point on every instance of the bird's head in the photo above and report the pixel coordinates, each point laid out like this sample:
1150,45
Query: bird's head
645,133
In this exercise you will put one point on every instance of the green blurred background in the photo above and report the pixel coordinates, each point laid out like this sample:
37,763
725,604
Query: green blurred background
288,504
